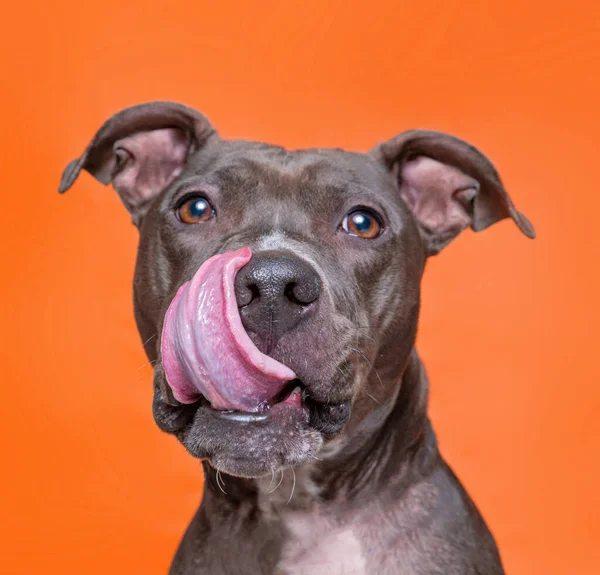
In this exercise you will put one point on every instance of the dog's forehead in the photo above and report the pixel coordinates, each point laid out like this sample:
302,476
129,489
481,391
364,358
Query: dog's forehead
274,168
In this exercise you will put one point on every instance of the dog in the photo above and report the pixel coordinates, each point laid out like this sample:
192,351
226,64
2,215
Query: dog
277,296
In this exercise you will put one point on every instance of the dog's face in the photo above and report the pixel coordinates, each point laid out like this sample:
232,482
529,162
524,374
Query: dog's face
277,292
336,260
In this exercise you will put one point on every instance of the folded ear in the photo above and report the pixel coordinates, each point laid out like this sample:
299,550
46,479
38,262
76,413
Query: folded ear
141,150
448,185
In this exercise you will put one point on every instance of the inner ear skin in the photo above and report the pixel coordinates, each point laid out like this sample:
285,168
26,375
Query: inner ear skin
458,165
429,188
148,163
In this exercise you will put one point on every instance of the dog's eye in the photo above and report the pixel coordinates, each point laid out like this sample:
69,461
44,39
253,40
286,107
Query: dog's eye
195,210
363,224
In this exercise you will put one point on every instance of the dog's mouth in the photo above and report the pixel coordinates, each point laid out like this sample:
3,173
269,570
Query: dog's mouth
293,396
208,356
246,412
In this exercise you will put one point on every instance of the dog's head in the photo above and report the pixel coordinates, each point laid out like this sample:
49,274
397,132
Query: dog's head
277,291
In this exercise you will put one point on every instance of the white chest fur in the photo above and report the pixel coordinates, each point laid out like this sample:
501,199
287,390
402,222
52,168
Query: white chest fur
315,543
317,546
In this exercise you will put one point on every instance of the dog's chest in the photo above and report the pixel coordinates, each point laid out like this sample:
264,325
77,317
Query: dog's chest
316,545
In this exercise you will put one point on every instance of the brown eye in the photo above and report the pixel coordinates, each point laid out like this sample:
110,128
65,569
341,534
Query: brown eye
195,210
363,224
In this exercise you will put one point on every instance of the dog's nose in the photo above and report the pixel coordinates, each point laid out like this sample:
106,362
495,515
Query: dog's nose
275,291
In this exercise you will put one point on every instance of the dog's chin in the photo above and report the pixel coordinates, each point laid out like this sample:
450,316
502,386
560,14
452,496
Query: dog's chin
252,445
285,439
290,432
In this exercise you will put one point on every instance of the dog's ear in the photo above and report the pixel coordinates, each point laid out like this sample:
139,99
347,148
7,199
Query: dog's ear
448,185
140,150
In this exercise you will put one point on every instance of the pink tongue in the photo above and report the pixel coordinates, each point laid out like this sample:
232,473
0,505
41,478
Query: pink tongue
205,349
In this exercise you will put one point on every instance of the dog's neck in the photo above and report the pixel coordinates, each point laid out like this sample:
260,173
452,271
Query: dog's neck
389,448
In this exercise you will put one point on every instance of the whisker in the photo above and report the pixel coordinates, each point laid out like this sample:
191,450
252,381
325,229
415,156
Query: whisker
210,481
373,398
360,353
147,364
363,334
369,362
219,481
340,370
278,483
272,479
293,486
150,339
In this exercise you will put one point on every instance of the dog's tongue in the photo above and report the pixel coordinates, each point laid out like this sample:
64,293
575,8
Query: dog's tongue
205,349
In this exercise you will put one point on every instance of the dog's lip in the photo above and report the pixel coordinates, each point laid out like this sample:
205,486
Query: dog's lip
292,396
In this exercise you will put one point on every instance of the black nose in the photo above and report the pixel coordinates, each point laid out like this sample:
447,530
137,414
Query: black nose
275,291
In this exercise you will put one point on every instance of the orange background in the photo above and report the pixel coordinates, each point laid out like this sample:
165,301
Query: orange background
508,328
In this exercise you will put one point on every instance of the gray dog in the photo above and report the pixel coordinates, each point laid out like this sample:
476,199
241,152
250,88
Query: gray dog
277,295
